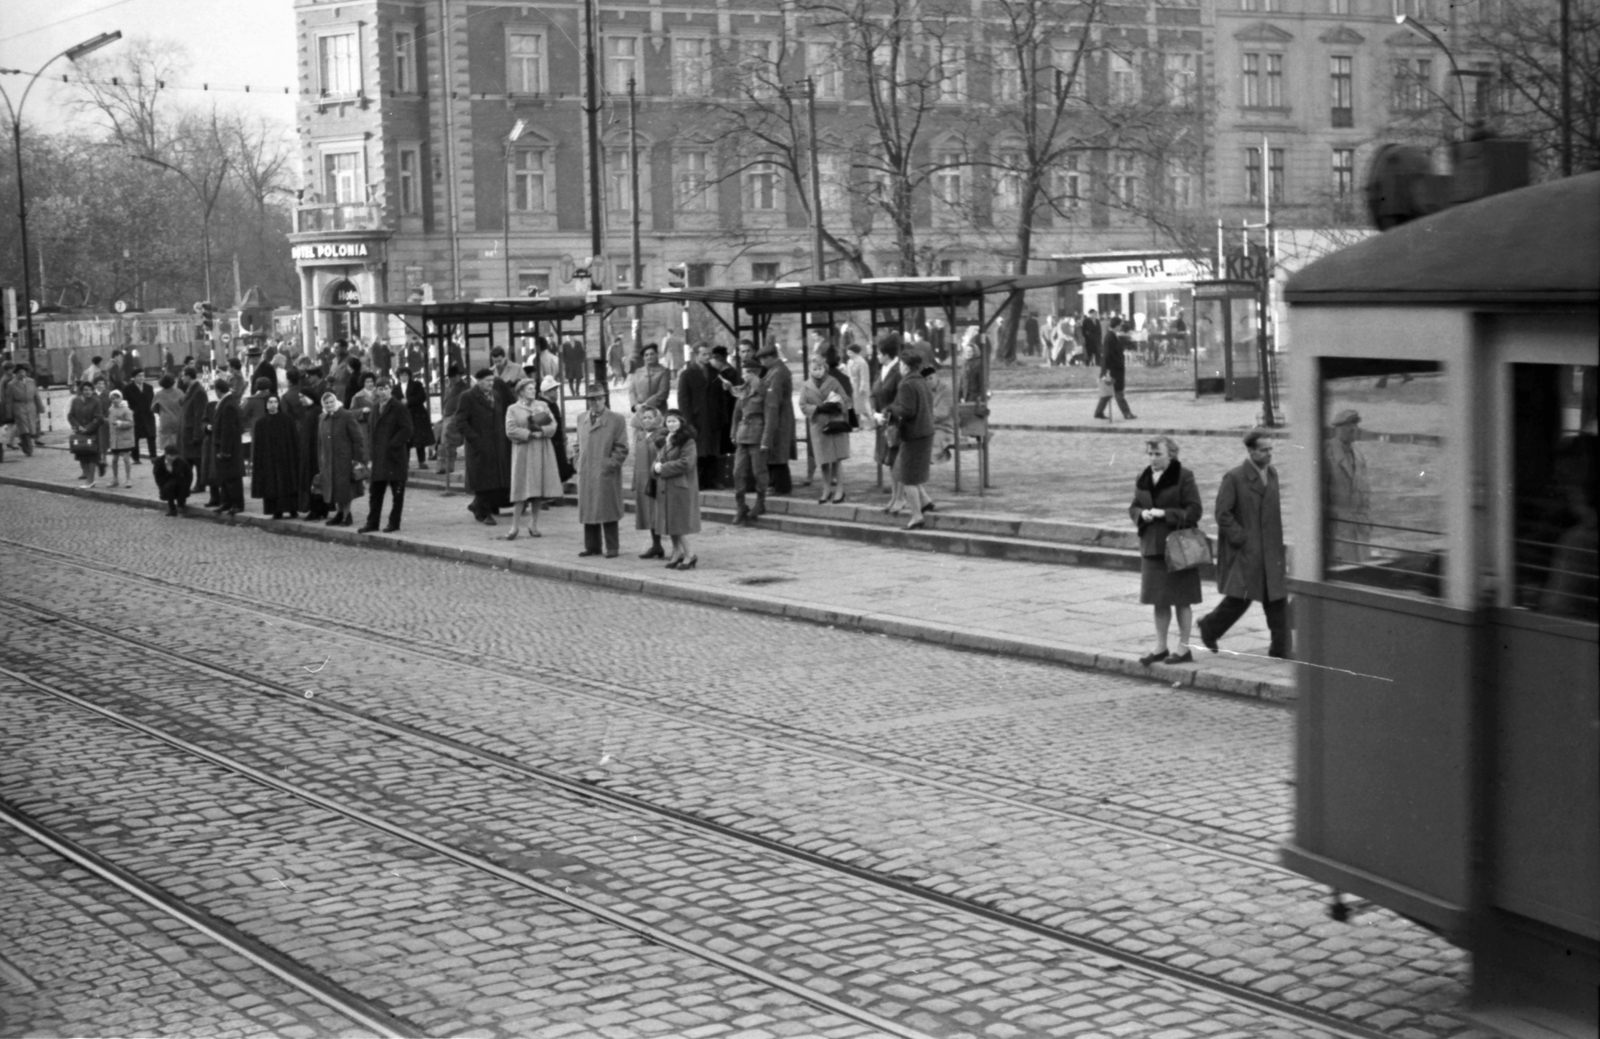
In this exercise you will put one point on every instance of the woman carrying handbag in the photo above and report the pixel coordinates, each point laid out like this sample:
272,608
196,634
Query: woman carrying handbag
1166,509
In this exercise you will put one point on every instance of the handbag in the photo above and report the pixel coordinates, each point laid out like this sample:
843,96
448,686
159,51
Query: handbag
360,471
1187,548
1108,387
836,425
83,444
891,434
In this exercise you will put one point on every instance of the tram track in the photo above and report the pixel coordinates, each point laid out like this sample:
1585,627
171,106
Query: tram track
577,787
782,736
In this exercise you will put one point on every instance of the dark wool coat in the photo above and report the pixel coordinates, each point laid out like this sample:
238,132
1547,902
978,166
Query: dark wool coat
305,415
390,445
697,392
481,421
275,459
913,407
421,420
1250,556
883,395
173,478
85,415
645,445
1177,494
227,439
340,445
208,448
1112,361
142,402
778,438
558,441
723,381
677,505
192,428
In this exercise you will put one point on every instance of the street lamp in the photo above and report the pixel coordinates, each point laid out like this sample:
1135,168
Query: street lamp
72,54
1408,22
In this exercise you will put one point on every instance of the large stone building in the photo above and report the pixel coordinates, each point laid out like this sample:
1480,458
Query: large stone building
445,148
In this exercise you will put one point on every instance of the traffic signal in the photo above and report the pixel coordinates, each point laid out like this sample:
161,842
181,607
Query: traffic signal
677,275
208,317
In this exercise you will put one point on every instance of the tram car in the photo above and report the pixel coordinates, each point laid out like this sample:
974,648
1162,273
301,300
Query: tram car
1448,728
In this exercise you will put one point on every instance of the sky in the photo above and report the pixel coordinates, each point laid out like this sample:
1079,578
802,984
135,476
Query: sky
230,43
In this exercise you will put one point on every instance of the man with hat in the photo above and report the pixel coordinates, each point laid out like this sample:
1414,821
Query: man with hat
1250,554
481,421
777,438
602,448
1349,491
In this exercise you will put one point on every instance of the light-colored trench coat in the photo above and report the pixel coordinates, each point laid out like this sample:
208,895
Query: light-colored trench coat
602,448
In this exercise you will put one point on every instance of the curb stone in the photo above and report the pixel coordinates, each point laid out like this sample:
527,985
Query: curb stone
1192,677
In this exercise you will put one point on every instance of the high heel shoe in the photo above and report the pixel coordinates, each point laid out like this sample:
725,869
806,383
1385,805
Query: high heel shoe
690,564
838,497
673,564
917,524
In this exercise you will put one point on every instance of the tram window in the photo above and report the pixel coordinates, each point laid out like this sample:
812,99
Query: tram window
1554,467
1382,490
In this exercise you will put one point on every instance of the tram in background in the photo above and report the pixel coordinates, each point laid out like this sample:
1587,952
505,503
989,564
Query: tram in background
1448,729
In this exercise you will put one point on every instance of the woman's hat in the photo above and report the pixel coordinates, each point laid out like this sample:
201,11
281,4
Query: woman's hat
549,383
1348,416
522,383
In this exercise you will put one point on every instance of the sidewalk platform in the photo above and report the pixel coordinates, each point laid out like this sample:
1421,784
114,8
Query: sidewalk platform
1075,615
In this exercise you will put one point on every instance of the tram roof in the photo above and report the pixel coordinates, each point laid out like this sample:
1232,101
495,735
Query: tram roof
465,311
1539,244
868,294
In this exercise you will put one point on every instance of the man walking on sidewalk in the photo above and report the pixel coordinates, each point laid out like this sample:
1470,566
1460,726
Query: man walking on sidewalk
1250,556
1114,365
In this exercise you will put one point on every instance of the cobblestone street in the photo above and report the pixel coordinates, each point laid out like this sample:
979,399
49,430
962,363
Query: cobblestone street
797,831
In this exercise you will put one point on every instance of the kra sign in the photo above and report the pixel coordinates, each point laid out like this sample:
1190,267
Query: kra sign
330,251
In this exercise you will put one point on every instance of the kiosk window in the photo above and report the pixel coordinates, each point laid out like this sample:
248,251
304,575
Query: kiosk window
1555,476
1383,457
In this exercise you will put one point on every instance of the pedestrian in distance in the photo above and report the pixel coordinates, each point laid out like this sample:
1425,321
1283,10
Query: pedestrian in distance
102,391
602,448
912,414
85,417
860,374
192,423
676,474
534,473
1090,329
481,419
169,412
416,401
647,437
1250,553
275,459
389,447
341,447
826,404
141,399
449,435
173,475
121,424
26,404
572,363
1115,367
227,445
1165,498
698,393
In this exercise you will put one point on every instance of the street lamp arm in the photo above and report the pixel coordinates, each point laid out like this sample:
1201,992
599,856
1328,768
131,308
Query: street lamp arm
73,53
1408,22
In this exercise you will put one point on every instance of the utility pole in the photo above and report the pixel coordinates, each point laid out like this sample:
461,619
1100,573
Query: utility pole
816,182
633,188
1566,88
591,95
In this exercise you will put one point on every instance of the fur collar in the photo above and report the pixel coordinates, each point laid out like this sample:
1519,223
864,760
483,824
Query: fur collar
1170,477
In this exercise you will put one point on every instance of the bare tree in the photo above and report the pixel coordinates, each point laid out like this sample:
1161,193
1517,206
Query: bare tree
1520,43
123,90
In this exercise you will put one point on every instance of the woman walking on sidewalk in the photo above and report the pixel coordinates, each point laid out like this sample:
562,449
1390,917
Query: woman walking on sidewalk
1165,498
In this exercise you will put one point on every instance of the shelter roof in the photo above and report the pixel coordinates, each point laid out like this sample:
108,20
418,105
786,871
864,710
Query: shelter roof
869,294
463,311
1539,244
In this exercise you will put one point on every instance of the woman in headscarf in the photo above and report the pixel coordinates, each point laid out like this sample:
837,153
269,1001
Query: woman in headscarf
647,439
275,461
86,416
421,420
826,405
341,446
676,470
530,428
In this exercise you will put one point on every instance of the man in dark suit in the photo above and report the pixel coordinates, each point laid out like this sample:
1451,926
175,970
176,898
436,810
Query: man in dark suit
1250,553
1114,365
390,444
702,412
481,421
141,398
192,424
1091,338
227,445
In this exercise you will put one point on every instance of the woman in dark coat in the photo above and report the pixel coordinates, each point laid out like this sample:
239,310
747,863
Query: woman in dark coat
883,395
341,446
421,419
86,417
913,411
275,465
1165,498
677,503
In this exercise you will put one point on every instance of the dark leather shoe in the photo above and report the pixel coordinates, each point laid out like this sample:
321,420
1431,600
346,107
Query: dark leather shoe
586,553
1185,657
1151,658
368,528
611,555
653,552
332,522
1208,640
393,528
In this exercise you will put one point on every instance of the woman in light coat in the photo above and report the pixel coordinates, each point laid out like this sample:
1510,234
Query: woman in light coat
860,374
169,412
530,428
824,401
677,506
121,423
646,438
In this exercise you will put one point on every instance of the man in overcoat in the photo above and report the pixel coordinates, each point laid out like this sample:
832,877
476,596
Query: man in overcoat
390,444
602,448
141,398
777,439
192,427
227,446
481,421
1250,555
1090,327
699,400
1349,489
1115,365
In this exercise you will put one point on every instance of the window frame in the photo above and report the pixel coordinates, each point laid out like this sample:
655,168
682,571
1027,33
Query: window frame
522,203
408,183
1187,79
1252,174
615,82
1341,87
954,87
825,68
762,171
1250,79
333,150
1125,171
767,83
353,33
1274,80
514,59
1123,85
702,84
618,169
1069,176
404,58
1344,174
1008,178
1278,173
953,162
698,200
1006,85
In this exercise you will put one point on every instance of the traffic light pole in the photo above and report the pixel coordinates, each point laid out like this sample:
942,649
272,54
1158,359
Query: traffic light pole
591,94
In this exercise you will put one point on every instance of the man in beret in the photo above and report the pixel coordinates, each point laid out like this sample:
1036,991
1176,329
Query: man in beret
1349,490
602,448
481,421
778,440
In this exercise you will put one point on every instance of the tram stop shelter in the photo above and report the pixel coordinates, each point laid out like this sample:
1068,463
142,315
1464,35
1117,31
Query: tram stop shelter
964,301
441,323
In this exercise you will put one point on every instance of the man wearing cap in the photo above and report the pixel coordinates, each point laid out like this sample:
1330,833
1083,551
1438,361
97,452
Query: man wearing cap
481,421
777,438
1250,554
749,435
602,448
1349,491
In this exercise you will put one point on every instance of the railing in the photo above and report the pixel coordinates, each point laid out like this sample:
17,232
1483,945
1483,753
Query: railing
337,216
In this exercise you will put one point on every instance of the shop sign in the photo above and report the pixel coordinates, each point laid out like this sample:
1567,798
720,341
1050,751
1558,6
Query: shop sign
1166,268
347,295
330,251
